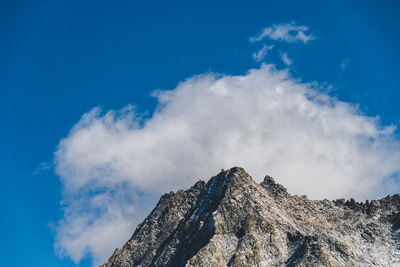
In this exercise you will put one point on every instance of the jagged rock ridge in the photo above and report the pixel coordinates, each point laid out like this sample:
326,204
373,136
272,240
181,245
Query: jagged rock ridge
233,221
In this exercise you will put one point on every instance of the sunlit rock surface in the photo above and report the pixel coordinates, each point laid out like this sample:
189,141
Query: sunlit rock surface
233,221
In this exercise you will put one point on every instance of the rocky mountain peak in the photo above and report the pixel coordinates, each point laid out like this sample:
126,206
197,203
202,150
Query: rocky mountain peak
233,221
275,189
235,176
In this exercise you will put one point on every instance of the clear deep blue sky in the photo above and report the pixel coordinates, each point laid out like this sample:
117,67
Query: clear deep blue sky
59,59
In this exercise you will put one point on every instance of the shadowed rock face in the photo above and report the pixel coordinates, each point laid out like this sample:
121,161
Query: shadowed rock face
233,221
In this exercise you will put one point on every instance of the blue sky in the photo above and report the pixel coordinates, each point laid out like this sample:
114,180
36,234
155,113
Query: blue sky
60,59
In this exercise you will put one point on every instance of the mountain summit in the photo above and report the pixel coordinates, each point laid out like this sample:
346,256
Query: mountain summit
233,221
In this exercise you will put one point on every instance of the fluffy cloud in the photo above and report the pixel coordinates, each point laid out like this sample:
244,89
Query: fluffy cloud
260,54
289,32
285,58
114,165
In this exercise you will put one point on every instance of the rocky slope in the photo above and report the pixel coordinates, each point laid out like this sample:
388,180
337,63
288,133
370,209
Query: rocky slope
233,221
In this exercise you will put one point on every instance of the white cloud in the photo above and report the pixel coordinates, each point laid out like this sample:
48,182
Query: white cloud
112,165
260,54
289,32
285,58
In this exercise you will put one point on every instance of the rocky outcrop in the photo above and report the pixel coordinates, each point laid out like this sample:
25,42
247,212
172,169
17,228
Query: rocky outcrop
233,221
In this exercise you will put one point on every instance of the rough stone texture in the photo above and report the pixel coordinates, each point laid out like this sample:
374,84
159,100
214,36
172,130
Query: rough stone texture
233,221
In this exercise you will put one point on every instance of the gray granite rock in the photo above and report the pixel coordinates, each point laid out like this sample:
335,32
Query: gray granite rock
233,221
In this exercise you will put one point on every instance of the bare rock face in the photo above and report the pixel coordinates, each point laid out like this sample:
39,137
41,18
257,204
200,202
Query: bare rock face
233,221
